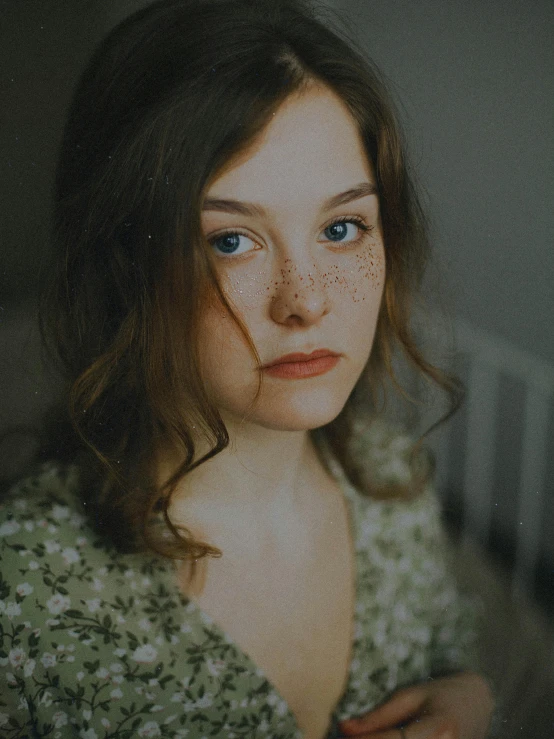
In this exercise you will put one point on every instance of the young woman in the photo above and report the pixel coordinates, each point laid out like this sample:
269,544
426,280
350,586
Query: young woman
227,544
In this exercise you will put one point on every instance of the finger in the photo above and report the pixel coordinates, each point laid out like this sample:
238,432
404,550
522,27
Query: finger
397,710
389,734
428,727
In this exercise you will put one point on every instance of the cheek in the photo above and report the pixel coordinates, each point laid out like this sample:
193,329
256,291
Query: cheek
361,278
358,275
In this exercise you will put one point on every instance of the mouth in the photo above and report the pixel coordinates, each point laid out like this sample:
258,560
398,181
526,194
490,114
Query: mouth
299,365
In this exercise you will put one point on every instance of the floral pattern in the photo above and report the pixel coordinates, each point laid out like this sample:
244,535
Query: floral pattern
96,644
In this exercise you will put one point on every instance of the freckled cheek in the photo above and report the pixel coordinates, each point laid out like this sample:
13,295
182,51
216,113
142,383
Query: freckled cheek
358,274
362,278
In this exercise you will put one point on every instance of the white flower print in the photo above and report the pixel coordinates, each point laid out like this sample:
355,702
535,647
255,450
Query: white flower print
58,603
46,699
206,701
70,555
102,673
48,659
93,604
24,589
150,728
29,667
145,624
59,719
17,657
33,565
147,653
12,609
9,527
88,734
116,693
215,667
96,584
60,512
4,718
52,546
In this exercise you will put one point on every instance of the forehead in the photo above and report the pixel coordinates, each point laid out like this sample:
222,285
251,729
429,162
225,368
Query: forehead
311,148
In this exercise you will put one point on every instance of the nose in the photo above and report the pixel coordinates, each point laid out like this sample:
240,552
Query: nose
300,297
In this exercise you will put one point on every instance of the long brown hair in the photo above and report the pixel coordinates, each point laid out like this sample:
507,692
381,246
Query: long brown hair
169,97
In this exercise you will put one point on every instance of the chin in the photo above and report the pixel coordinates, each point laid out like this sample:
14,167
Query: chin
297,414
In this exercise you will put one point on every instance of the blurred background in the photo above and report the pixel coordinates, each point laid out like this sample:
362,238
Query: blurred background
474,85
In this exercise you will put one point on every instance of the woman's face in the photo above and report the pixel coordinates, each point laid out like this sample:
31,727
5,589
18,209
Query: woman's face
293,224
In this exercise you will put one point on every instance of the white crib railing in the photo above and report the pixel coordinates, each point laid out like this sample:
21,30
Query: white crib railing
487,357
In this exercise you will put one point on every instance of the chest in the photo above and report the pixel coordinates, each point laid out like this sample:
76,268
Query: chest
293,616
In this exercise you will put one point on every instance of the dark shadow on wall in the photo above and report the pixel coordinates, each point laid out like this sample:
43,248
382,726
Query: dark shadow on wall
43,47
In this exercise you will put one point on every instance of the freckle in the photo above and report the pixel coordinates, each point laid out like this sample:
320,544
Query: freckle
295,295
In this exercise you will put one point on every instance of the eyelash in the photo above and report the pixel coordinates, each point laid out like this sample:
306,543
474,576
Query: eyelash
356,220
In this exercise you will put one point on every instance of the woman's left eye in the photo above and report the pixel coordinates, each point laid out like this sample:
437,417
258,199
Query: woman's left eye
345,230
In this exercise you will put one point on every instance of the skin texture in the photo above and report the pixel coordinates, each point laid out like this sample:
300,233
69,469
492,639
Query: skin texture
295,289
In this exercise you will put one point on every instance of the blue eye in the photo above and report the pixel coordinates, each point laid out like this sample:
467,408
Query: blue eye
230,243
345,230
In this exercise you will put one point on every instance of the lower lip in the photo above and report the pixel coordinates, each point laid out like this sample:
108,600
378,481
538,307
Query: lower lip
299,370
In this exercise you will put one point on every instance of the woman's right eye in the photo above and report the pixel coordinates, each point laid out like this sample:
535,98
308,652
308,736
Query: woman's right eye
232,243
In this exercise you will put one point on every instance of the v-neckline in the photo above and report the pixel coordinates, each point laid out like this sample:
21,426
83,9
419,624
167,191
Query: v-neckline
350,498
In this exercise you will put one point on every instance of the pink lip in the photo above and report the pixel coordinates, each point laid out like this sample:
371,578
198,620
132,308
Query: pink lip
299,365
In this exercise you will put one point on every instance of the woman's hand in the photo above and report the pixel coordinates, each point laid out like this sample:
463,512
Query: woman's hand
459,706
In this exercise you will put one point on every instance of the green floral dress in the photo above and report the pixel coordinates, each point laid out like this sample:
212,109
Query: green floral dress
95,644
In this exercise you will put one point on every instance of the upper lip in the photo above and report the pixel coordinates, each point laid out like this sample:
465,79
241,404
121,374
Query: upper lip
301,357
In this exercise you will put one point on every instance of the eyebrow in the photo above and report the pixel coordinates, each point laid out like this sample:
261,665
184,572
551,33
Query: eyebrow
242,208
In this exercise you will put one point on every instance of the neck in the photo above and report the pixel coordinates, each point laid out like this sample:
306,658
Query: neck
263,473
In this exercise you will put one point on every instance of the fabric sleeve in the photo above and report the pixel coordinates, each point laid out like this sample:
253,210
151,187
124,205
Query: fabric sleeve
18,642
